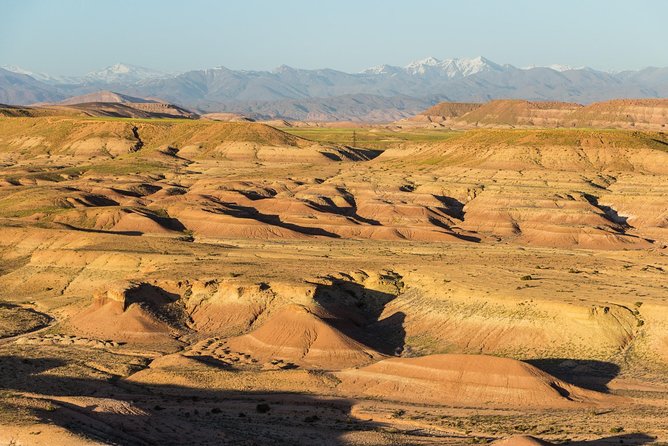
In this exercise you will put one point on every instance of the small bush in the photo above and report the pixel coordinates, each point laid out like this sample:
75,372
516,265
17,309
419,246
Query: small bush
175,191
262,408
398,413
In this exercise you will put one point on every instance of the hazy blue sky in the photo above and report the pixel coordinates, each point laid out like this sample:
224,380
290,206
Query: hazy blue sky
77,36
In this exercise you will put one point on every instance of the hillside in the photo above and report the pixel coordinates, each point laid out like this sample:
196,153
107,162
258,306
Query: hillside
102,104
205,282
105,96
450,109
648,114
109,103
518,112
108,138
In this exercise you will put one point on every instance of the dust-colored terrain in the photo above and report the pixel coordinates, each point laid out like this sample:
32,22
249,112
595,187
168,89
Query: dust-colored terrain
638,114
201,282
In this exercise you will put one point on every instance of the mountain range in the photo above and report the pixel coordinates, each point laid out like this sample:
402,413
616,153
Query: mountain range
382,93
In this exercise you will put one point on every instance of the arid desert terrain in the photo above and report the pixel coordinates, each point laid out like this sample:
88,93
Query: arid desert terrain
460,277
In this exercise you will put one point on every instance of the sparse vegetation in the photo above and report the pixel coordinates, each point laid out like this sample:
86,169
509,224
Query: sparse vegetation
262,408
398,413
369,137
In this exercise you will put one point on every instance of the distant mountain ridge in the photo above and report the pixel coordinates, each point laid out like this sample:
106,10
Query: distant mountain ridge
383,93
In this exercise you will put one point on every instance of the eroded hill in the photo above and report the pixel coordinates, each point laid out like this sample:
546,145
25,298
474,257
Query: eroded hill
208,282
639,114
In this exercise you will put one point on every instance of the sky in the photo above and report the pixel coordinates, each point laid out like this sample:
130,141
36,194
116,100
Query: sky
73,37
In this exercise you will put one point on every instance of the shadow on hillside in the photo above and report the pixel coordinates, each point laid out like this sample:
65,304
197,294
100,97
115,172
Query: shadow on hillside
101,231
170,223
625,439
585,373
139,415
251,213
349,211
356,311
466,238
451,206
609,212
125,413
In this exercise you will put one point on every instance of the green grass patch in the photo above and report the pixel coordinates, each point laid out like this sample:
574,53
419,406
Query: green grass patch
371,138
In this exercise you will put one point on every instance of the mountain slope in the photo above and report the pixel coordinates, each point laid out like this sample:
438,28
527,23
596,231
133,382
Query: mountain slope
18,88
326,94
122,73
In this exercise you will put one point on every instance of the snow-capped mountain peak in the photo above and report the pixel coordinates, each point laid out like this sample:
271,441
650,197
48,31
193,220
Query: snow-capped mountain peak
426,62
451,68
557,67
383,69
42,77
121,72
422,66
20,70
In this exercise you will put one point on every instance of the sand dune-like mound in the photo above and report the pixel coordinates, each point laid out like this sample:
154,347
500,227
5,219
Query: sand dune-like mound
120,220
301,335
134,313
464,380
521,440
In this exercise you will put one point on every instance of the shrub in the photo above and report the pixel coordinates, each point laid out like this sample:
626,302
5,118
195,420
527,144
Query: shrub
262,408
398,413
